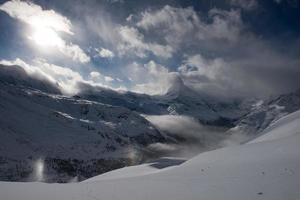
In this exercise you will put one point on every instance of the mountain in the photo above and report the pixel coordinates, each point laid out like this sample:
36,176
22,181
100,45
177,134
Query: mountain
98,129
264,113
73,137
179,100
265,168
17,76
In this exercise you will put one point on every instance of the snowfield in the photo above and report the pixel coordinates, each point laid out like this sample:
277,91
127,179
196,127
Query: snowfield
266,168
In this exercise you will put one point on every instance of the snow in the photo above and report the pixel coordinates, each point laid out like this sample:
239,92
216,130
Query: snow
139,170
267,168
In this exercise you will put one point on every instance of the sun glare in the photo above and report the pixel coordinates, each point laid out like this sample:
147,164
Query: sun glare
46,37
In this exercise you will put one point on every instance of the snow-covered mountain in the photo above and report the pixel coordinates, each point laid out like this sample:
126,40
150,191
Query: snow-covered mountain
99,129
264,113
74,137
266,168
179,100
17,76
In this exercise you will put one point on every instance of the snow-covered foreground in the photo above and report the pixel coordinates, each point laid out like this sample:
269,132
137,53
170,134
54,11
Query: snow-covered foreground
266,168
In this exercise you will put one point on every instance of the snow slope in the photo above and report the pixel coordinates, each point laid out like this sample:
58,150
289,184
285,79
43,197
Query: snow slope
267,168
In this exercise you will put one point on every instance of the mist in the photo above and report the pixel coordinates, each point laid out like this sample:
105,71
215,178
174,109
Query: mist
189,135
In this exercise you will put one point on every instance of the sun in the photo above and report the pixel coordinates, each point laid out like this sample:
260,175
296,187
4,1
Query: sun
46,37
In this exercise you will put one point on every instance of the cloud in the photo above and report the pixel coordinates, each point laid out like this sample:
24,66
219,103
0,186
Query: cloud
46,25
193,136
108,79
65,77
226,25
220,56
197,64
69,80
151,78
98,77
125,40
215,52
177,125
166,32
35,16
173,23
105,53
180,30
75,52
132,41
254,69
183,25
95,75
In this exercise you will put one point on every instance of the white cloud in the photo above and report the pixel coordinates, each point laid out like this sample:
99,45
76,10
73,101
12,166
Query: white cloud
98,77
197,64
172,23
156,69
65,77
105,53
184,126
35,16
166,31
126,40
46,25
211,76
197,138
150,78
183,25
75,52
68,80
95,75
132,41
108,79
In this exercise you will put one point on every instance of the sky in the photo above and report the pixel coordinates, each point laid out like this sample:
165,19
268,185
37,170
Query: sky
230,48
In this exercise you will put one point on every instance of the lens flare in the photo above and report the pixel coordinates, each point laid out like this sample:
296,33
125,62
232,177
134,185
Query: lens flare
39,170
